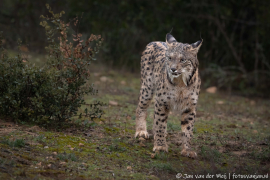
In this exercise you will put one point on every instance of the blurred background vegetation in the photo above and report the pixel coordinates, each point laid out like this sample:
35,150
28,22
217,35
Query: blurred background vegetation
234,54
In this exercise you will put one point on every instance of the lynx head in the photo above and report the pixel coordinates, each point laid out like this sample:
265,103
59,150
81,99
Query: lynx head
181,59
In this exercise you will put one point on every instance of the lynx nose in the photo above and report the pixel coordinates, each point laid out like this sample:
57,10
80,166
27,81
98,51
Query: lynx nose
173,69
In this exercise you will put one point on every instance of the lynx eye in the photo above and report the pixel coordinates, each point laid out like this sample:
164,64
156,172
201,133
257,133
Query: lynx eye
182,60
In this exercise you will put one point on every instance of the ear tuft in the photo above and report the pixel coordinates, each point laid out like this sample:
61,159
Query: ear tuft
170,39
196,46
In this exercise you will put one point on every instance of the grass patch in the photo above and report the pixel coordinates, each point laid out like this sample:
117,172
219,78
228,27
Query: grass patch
17,143
210,154
173,127
40,138
163,166
66,157
162,156
117,146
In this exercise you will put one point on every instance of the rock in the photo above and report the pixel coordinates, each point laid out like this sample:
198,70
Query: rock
104,79
63,163
220,102
113,103
129,168
212,89
81,144
255,131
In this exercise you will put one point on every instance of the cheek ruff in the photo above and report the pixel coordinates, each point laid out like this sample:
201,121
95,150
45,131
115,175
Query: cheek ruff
186,75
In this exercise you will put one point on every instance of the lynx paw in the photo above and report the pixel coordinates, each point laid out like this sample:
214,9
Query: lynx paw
141,134
189,153
160,148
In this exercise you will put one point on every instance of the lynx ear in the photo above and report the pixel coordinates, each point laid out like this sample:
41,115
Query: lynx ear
170,39
196,46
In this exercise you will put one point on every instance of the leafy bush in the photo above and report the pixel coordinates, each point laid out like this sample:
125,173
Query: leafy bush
52,94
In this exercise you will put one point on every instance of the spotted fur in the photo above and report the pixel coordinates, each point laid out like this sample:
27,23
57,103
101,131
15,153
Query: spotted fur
169,70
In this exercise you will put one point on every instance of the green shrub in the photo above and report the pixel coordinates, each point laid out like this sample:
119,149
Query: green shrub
52,94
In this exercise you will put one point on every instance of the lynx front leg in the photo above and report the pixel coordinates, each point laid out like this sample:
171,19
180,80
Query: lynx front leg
187,123
141,112
160,127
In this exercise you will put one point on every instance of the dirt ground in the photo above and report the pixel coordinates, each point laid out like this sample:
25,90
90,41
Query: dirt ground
231,136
